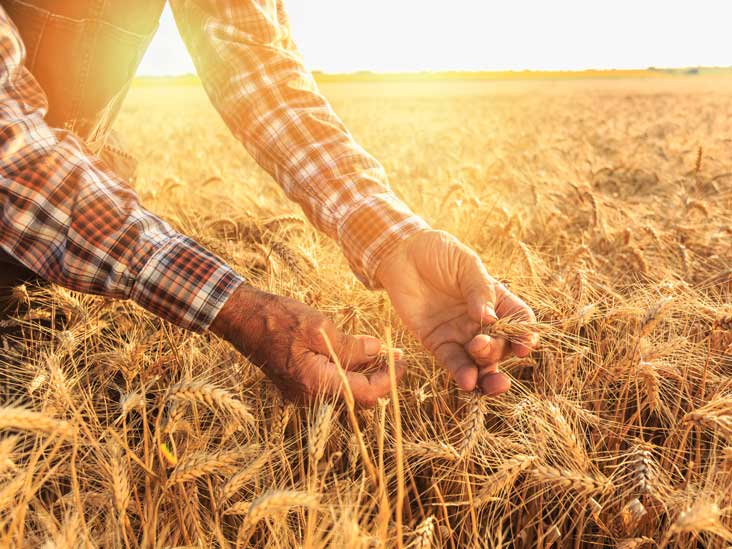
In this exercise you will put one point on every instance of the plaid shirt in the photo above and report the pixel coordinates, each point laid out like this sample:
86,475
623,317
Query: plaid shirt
67,217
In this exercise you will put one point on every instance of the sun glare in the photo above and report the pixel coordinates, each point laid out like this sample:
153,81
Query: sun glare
416,35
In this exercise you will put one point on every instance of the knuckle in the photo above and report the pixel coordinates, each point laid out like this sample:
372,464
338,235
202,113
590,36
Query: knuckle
349,351
368,401
317,324
316,332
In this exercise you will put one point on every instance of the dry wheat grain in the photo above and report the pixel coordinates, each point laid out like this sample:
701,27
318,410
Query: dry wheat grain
21,419
215,397
272,502
319,432
424,534
194,466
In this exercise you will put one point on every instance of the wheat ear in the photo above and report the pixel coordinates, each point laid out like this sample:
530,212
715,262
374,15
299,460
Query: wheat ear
12,417
502,476
212,396
236,482
702,516
431,450
120,479
473,426
582,483
424,534
319,432
717,414
198,465
273,501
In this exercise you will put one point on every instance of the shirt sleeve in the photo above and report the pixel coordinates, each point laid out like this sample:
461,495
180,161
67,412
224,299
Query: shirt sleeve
256,79
67,217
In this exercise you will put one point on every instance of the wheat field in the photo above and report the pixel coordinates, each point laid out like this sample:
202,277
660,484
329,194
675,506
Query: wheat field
605,204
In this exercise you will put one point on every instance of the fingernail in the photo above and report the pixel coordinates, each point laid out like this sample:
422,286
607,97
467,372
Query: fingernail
490,312
372,347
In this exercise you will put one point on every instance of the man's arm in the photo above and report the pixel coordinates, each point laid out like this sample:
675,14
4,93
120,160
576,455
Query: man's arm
256,79
68,218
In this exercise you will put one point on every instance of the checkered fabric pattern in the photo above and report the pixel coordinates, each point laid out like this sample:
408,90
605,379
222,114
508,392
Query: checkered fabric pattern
255,76
64,215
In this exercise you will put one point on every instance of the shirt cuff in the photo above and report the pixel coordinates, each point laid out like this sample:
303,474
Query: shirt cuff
369,232
185,284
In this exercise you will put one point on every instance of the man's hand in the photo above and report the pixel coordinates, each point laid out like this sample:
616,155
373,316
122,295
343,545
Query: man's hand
443,294
285,338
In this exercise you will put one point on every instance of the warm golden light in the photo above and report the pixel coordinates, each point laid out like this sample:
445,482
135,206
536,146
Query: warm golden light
416,35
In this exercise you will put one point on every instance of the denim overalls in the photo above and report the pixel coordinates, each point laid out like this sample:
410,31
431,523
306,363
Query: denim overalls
84,54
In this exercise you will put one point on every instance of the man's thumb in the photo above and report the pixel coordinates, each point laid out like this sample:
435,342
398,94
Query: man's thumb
355,350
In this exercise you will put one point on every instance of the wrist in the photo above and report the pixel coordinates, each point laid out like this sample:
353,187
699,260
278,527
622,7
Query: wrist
389,265
238,321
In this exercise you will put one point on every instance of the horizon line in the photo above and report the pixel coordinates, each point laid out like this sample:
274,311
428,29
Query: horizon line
687,70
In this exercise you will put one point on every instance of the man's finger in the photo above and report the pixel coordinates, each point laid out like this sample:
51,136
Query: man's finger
493,382
523,347
510,305
356,350
452,356
366,388
485,349
353,352
477,288
461,328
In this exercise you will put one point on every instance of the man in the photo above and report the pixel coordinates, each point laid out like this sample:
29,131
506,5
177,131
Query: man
68,215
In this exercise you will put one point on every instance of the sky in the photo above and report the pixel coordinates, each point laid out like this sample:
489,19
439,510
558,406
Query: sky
340,36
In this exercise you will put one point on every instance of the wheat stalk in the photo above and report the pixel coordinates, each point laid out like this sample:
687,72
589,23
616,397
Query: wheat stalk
552,535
